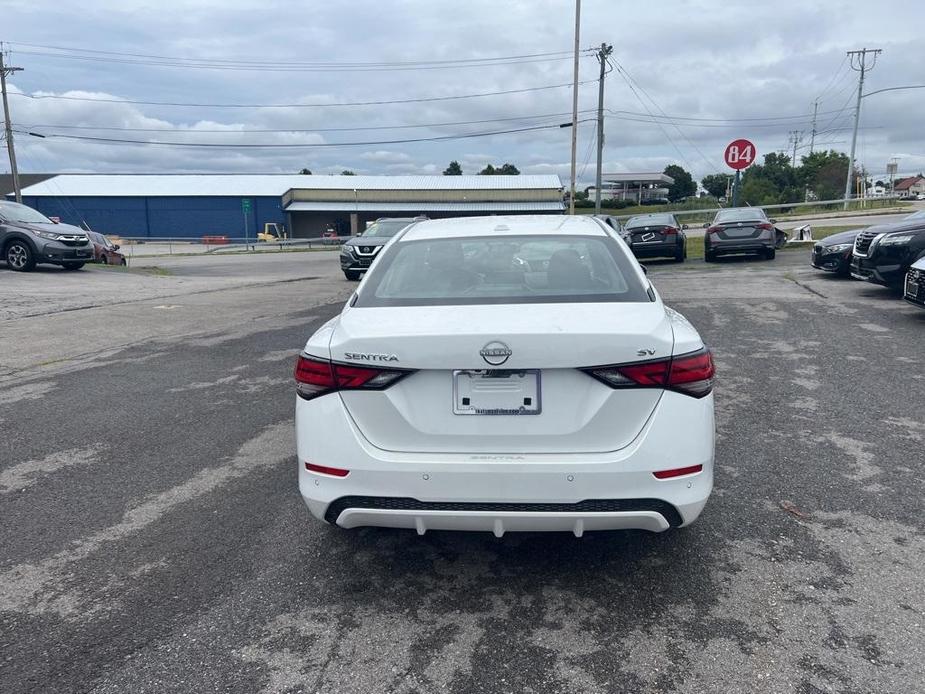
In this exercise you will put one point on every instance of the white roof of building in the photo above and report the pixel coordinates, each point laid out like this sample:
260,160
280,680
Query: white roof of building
461,227
653,177
275,185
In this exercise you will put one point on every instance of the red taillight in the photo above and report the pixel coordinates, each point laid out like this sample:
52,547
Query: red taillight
691,374
678,472
324,470
670,231
764,226
316,377
714,229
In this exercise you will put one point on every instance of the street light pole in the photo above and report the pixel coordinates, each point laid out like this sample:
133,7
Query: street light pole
571,201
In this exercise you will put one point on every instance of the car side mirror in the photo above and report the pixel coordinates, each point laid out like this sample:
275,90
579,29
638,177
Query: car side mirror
116,247
706,225
683,227
773,221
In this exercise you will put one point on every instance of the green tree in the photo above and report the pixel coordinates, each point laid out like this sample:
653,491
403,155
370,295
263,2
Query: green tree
715,184
347,172
454,169
306,172
683,185
823,172
505,169
757,190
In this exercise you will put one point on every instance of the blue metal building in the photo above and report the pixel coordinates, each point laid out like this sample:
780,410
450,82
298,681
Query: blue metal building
190,206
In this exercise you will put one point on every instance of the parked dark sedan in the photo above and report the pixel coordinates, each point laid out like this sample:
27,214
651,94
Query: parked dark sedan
656,236
833,253
741,230
883,254
105,251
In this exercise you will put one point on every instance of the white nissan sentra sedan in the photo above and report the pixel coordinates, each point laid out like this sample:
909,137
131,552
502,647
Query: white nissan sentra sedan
506,374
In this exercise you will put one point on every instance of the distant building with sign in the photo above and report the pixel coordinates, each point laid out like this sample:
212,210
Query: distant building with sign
634,187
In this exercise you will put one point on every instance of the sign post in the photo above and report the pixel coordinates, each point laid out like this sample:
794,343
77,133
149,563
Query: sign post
739,155
246,210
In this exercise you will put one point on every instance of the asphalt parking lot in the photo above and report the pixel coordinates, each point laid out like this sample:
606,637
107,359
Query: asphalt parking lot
155,541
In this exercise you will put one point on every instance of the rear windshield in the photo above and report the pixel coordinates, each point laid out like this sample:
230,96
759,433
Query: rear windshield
508,270
650,220
386,227
741,214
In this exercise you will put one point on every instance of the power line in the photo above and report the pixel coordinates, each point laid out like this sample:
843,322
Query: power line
664,115
291,145
228,131
288,68
832,80
315,64
457,97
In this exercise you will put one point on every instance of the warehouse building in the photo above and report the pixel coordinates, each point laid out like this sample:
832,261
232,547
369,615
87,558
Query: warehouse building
190,206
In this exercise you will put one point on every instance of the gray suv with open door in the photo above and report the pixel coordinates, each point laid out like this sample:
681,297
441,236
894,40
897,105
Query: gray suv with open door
740,230
28,237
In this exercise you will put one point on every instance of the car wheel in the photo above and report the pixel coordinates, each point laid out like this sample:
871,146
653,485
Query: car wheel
19,256
680,254
770,254
123,263
352,275
103,260
709,257
72,266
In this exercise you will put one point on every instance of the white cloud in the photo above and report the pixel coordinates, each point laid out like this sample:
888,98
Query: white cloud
703,59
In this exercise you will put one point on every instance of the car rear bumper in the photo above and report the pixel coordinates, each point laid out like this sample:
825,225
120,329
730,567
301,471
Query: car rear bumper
750,246
655,250
509,492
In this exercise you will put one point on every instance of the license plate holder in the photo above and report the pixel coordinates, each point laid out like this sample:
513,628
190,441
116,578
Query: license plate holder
496,392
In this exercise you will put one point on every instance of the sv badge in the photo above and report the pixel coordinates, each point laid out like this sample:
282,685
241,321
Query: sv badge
645,352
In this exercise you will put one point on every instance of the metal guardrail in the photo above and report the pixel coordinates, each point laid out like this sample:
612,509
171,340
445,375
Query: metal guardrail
229,243
818,203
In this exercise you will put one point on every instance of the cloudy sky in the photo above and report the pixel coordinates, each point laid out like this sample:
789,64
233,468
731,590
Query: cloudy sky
695,74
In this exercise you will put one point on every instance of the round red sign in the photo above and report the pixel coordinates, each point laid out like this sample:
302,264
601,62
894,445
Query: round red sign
740,154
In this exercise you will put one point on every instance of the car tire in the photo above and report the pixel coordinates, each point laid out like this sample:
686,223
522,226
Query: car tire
71,267
123,263
103,260
709,257
770,254
18,256
680,254
352,275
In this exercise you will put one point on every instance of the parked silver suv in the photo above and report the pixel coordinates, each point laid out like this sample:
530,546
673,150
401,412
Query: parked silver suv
28,237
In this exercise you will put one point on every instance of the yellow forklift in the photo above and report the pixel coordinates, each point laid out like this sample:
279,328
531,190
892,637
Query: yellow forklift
272,232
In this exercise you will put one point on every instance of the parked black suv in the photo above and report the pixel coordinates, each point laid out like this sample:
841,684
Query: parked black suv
28,237
357,254
656,236
883,254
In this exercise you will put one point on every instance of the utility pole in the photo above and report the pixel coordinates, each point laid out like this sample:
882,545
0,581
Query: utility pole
858,64
796,137
8,125
812,138
602,54
571,199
